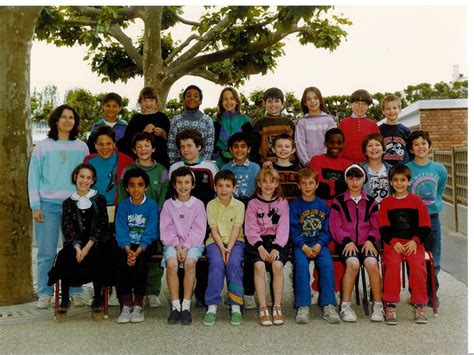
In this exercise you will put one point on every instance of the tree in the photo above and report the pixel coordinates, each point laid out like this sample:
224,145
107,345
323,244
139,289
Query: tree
226,45
17,26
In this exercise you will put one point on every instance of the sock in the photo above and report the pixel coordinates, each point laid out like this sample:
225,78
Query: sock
235,308
138,301
186,305
392,305
345,304
176,305
378,303
212,308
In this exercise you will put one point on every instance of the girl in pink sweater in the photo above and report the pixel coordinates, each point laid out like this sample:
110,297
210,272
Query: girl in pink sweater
182,229
267,230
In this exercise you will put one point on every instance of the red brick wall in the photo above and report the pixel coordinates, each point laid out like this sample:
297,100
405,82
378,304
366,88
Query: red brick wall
447,127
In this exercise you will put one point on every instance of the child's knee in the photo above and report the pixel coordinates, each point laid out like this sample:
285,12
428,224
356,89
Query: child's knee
172,264
277,267
371,264
259,267
189,264
352,265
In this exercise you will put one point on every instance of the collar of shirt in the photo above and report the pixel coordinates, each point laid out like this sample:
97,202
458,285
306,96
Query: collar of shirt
179,203
247,163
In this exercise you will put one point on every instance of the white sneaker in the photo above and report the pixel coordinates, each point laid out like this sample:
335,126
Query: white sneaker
138,315
377,312
124,317
43,302
348,314
153,301
113,299
78,300
314,297
249,302
330,314
302,315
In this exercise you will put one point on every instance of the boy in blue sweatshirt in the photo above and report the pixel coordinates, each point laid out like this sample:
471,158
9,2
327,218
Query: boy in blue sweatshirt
136,232
309,232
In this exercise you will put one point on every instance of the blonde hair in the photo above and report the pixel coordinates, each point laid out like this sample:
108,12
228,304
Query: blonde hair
274,176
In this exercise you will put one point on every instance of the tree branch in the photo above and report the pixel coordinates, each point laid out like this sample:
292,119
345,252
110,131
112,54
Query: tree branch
117,33
230,52
127,13
181,47
213,33
183,20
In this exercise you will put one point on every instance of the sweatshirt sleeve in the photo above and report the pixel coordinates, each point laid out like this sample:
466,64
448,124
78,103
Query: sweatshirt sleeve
300,140
295,228
208,137
424,222
197,230
283,228
121,226
374,230
324,236
336,224
101,231
34,176
150,234
384,222
168,231
69,225
252,228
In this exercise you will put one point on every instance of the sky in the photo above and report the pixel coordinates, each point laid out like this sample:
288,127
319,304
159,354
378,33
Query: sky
388,47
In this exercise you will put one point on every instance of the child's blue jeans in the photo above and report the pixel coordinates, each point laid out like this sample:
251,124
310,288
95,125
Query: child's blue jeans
302,277
47,236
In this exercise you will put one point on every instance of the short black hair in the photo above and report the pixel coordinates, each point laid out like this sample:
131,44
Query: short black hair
112,96
225,175
104,131
238,137
143,136
417,134
193,87
134,173
332,132
399,169
83,166
54,118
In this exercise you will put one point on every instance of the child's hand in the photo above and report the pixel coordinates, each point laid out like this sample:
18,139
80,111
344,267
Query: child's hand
150,127
131,259
316,249
350,249
308,251
274,255
268,164
159,132
78,253
399,249
410,248
369,248
38,216
264,255
226,256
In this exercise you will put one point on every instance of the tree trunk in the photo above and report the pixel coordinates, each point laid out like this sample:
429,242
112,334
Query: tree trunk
16,33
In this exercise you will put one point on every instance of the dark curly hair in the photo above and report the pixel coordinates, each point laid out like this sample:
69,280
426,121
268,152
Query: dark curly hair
54,118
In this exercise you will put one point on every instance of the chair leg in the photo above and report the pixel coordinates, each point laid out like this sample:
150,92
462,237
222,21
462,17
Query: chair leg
106,302
57,288
403,273
433,285
365,301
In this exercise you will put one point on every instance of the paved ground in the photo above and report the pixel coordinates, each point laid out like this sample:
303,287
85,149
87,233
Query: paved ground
446,334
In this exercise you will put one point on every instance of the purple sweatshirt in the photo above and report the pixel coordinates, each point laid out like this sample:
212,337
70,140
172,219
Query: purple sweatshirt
351,222
183,223
267,218
309,136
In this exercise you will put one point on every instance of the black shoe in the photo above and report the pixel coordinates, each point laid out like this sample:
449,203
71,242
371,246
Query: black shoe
186,317
200,304
174,317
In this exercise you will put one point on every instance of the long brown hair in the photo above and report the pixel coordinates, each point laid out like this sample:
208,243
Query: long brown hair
220,106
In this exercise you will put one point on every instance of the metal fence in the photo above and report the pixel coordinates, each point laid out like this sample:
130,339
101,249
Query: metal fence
455,161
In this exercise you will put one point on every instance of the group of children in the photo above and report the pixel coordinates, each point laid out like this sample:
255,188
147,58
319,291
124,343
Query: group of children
278,189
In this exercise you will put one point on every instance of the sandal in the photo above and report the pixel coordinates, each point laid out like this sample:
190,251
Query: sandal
264,316
277,315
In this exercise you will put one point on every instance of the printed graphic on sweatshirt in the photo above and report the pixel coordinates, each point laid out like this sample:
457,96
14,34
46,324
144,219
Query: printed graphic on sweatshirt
379,187
425,186
394,148
136,224
311,222
242,184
